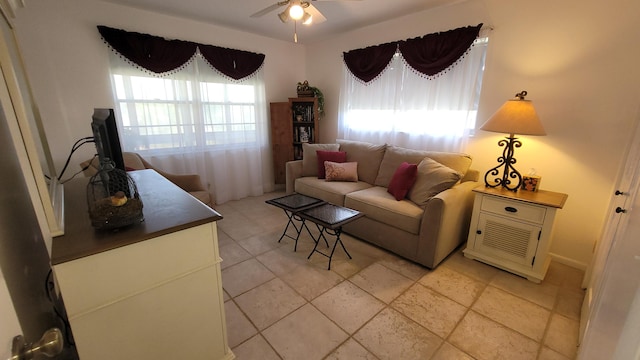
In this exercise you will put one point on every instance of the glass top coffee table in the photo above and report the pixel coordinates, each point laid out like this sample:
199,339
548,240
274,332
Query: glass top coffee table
329,219
292,204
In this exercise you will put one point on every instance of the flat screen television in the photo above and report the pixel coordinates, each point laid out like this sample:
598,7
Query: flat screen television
105,135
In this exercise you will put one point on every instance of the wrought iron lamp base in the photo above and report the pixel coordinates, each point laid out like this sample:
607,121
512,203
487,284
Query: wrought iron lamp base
511,178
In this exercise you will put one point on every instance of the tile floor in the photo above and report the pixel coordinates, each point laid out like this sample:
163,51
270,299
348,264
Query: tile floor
279,305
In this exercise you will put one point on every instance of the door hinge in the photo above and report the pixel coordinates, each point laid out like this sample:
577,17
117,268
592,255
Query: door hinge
533,261
539,234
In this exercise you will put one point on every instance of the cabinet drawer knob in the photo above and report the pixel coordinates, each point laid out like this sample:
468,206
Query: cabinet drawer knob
479,232
511,209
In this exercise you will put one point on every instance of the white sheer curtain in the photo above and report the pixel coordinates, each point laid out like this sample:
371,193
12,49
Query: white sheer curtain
404,108
195,120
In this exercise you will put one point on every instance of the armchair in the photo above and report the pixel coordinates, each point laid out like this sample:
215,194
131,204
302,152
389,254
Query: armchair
190,183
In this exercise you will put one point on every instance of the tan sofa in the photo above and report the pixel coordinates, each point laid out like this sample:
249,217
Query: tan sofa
190,183
426,226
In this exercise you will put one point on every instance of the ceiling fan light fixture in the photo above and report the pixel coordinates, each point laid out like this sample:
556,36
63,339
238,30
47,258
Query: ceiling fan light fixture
296,11
284,16
307,19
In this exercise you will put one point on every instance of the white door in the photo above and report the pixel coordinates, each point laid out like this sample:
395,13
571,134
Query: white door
27,304
24,259
25,296
612,302
10,326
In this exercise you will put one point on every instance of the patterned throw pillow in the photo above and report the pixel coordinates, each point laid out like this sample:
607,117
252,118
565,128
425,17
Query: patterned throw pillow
341,171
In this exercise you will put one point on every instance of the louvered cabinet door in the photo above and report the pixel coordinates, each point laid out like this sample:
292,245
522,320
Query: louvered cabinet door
506,239
513,230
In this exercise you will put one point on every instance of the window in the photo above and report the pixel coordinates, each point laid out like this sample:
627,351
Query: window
186,110
406,108
196,120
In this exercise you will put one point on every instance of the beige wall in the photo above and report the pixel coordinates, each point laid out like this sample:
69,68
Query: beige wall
577,59
67,61
579,62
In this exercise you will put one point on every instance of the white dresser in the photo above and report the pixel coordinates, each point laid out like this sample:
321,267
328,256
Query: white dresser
513,230
148,291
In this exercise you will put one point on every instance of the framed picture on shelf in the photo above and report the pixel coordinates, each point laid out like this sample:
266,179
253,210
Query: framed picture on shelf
303,134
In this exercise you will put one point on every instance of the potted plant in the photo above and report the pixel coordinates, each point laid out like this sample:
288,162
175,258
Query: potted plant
317,93
304,89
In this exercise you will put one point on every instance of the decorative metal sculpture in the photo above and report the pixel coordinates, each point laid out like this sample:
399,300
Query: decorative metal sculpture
113,199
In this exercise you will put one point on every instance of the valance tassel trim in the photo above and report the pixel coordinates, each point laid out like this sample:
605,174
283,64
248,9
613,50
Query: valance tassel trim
160,56
145,70
428,55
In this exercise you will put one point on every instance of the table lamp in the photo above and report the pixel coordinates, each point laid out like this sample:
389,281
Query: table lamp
516,116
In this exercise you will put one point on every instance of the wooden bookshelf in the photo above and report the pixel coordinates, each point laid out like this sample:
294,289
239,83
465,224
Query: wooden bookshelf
293,123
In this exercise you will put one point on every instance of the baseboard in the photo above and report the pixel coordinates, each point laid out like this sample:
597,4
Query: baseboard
569,262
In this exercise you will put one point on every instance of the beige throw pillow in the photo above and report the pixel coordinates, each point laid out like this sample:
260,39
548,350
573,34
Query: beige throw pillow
310,158
432,179
395,155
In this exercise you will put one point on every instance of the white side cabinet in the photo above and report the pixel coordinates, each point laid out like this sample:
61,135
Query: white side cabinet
149,291
513,230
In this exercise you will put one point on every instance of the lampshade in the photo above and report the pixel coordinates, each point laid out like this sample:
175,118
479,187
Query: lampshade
516,116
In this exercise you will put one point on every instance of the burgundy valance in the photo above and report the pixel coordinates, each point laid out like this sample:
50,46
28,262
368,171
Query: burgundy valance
236,64
160,55
429,54
367,63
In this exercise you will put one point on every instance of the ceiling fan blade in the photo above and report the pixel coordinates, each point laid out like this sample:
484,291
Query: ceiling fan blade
269,9
316,15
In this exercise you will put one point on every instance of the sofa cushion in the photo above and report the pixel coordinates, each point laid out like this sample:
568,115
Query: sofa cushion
403,179
323,155
433,177
368,156
341,171
332,192
377,204
395,155
310,159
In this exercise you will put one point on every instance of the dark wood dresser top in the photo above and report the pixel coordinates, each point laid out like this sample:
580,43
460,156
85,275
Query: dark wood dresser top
167,209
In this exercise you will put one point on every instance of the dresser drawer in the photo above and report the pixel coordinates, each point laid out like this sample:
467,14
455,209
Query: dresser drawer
513,209
94,281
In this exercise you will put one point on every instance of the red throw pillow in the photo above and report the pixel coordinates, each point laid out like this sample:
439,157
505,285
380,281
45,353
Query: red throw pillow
333,156
402,180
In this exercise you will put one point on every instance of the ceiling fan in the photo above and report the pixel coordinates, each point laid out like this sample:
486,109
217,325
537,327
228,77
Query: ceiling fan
297,10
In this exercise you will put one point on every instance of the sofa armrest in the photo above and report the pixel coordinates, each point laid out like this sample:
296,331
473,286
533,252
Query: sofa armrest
445,223
188,182
471,175
293,171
